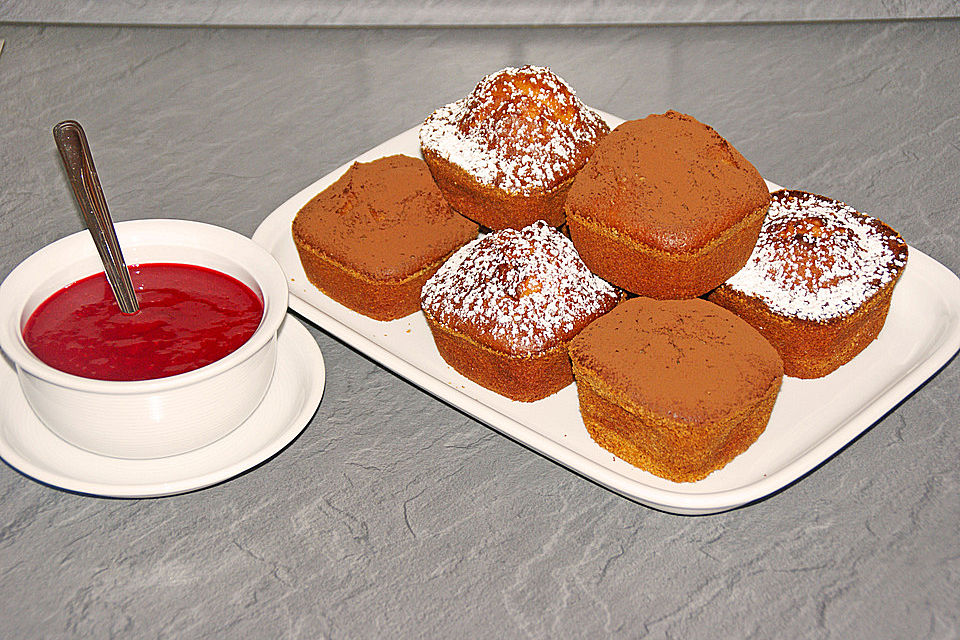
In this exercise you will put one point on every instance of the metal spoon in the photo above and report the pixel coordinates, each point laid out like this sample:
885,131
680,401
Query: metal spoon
72,143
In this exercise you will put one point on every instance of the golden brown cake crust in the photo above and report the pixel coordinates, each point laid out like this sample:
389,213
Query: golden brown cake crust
493,207
372,238
819,283
666,207
525,378
677,387
503,308
613,428
644,270
377,299
812,349
505,155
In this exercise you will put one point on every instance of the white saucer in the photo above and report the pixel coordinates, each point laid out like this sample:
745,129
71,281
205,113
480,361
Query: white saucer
291,400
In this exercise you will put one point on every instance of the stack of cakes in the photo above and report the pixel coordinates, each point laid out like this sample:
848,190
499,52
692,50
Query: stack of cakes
649,263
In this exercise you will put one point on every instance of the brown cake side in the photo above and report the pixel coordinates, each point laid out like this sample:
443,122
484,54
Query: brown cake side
819,283
373,237
491,206
666,208
503,308
505,155
524,377
675,387
377,299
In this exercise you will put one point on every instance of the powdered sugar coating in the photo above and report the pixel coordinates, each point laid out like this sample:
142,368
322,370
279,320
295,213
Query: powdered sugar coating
818,258
526,290
521,129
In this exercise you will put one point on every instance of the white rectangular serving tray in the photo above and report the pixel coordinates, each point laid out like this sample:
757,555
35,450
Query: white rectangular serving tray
812,419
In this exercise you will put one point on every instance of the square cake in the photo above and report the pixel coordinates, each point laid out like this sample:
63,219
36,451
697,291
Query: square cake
819,282
675,387
372,238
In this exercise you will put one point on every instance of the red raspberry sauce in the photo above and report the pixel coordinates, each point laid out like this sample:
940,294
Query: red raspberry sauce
189,317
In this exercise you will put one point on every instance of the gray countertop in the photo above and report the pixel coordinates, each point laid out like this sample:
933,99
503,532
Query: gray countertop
395,515
314,13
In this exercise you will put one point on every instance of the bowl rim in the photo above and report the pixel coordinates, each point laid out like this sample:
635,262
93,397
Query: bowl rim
16,291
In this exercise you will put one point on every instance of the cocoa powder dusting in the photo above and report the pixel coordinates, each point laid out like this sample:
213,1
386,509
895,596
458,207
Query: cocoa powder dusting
685,359
385,219
668,181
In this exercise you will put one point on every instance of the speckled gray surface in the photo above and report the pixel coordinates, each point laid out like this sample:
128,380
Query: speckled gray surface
394,515
464,12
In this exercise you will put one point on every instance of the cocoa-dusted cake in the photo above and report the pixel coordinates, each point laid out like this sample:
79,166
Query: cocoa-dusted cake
819,282
675,387
504,307
372,238
666,208
505,155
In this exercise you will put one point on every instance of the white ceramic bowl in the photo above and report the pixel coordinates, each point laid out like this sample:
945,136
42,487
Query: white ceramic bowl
148,418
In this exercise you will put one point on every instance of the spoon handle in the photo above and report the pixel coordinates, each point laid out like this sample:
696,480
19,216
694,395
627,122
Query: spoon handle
78,162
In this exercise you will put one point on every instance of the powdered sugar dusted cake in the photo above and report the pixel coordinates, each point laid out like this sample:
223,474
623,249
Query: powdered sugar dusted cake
503,308
819,281
505,154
